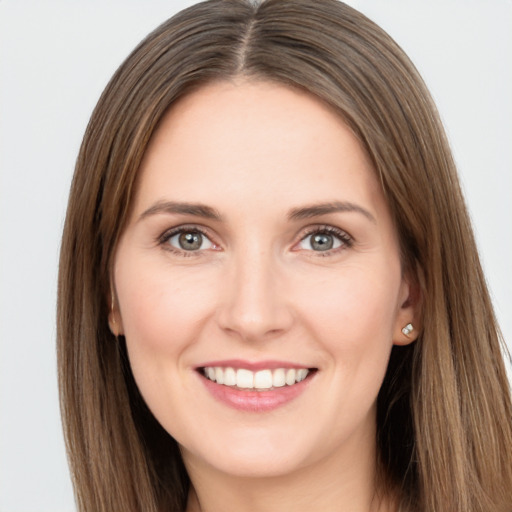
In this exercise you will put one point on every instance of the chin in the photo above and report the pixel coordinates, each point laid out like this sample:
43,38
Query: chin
252,453
255,465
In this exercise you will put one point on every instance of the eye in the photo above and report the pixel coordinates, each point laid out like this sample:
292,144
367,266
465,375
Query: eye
188,240
324,240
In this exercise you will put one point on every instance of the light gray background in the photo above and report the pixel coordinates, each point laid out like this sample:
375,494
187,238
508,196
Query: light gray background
55,59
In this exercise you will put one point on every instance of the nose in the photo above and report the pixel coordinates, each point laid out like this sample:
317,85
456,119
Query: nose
255,305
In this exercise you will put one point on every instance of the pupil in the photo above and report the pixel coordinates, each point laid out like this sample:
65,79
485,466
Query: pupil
190,241
322,242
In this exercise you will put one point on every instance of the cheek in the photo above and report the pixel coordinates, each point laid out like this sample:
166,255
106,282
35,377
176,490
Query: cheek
162,312
357,303
353,320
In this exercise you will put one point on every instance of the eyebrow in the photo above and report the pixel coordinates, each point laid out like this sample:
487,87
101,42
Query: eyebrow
172,207
207,212
317,210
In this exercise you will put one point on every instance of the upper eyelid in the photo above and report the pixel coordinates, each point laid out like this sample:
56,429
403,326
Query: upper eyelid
347,240
163,239
168,233
303,233
319,228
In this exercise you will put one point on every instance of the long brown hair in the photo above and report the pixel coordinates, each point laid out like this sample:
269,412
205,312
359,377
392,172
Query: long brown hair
444,411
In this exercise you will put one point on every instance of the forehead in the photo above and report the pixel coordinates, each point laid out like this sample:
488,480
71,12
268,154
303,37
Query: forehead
270,139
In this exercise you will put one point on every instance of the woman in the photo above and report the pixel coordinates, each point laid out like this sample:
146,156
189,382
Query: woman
270,295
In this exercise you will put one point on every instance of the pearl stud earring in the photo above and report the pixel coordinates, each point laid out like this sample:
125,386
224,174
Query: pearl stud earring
408,329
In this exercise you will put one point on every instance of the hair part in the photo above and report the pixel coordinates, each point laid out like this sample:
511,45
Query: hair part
444,411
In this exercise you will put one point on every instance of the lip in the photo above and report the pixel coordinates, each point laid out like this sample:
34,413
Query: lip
252,365
254,401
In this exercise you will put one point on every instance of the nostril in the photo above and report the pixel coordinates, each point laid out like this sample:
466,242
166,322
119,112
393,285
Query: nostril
256,323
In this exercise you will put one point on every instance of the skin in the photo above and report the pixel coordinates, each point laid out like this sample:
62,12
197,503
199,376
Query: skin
257,289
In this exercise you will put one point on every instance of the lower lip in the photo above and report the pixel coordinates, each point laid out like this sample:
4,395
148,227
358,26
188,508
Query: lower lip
255,401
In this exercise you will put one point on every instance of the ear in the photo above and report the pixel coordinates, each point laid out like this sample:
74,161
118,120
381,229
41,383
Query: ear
115,322
408,321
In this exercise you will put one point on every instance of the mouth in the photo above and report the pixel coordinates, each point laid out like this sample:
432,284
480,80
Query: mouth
262,380
264,387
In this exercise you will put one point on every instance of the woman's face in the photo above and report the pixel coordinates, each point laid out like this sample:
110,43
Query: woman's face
258,282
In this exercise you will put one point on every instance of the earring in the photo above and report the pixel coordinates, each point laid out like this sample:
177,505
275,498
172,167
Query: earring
408,329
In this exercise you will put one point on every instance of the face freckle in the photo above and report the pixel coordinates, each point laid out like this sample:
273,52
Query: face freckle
260,241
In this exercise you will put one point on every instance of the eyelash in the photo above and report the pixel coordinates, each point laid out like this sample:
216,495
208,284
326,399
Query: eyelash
346,240
167,235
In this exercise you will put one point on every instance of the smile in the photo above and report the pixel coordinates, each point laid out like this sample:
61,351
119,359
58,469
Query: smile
255,387
261,380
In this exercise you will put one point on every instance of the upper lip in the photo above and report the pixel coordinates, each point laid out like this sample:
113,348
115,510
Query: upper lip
252,365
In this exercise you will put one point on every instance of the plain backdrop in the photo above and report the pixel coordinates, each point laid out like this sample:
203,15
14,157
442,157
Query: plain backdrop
55,59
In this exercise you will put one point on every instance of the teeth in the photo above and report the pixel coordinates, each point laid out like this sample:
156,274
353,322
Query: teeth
263,379
291,375
279,378
260,380
244,379
219,375
229,377
301,374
